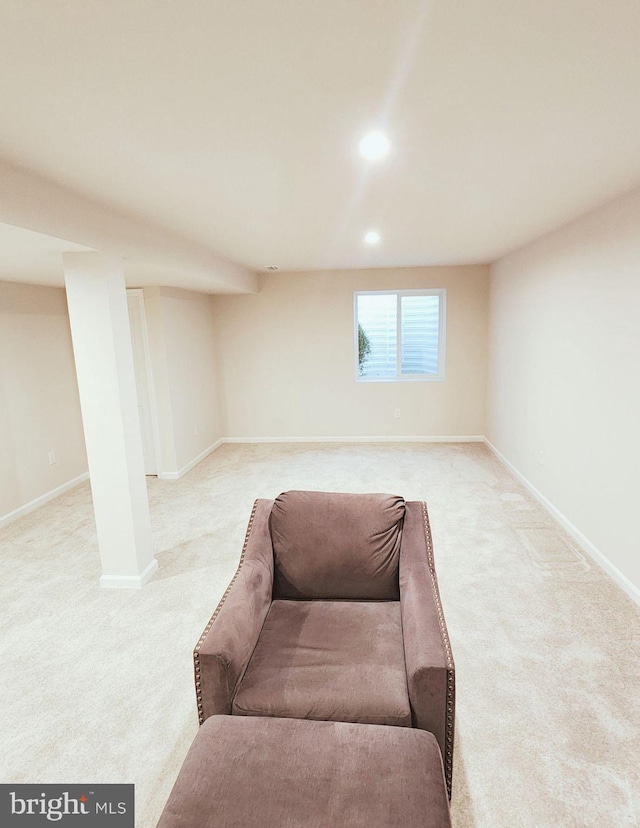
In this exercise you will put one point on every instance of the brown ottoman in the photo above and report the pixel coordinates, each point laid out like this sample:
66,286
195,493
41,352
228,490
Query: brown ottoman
244,771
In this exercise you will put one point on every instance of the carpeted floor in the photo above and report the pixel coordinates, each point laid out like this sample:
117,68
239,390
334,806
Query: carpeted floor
96,685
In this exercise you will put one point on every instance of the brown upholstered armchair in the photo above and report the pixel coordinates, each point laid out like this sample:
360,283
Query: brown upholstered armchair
334,614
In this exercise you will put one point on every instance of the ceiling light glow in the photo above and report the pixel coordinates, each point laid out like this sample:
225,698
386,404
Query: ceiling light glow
372,237
374,145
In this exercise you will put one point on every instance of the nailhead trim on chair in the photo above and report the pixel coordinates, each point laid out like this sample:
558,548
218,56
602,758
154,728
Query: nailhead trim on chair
196,652
448,757
451,686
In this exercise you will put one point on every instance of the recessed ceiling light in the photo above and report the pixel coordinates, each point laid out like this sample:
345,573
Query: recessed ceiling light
372,237
374,145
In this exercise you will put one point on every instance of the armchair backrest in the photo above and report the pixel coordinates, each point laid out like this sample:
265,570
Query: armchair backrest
331,545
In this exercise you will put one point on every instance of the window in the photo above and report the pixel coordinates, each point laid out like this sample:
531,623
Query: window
399,335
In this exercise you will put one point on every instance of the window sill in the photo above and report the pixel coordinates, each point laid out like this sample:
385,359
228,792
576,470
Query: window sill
415,378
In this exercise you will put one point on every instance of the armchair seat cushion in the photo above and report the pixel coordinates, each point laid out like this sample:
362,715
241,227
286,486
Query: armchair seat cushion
340,661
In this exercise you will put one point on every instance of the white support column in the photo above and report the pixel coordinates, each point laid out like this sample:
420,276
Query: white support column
97,300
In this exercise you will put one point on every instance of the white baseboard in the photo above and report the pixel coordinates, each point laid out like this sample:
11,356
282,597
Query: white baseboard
475,438
130,581
178,474
611,569
45,498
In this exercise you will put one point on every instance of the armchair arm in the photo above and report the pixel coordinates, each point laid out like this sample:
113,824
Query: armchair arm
222,654
428,657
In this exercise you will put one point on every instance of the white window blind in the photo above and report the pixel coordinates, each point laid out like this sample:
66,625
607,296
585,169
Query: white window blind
400,335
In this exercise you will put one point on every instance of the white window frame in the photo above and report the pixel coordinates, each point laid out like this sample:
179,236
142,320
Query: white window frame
442,326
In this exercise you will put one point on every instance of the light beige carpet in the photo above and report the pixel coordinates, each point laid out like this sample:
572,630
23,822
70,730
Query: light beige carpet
96,685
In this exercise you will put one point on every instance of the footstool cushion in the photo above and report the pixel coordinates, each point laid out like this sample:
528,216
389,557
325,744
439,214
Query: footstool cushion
244,771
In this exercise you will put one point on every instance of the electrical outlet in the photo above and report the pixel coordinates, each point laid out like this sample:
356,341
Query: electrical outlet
52,458
396,412
541,458
196,430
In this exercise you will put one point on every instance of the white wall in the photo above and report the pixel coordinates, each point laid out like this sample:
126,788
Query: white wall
183,356
288,358
39,404
564,377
